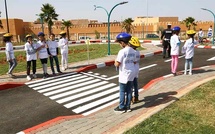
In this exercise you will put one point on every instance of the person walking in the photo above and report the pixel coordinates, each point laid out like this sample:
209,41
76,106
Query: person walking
31,56
125,62
188,50
210,32
53,47
7,38
63,45
43,53
135,43
165,37
175,43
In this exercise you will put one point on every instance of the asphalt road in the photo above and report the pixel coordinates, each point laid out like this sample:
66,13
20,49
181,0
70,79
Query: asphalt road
84,93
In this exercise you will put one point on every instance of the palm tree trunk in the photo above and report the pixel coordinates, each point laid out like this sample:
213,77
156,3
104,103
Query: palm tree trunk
50,29
67,28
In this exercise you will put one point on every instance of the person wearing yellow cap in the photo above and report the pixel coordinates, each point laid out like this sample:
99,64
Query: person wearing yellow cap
9,53
135,43
31,56
63,45
188,50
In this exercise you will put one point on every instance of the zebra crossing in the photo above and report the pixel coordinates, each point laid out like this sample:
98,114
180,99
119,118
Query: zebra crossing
83,94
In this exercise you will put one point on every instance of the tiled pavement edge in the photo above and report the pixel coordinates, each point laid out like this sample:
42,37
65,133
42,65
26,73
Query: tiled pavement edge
153,99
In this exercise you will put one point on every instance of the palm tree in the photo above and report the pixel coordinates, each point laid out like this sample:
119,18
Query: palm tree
190,21
66,24
48,14
127,25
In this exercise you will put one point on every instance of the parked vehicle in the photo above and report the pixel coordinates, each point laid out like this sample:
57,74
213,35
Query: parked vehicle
152,36
84,38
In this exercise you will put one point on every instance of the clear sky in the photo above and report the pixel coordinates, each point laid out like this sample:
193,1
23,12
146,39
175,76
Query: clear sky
84,9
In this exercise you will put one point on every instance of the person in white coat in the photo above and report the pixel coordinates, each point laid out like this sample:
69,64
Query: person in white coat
53,47
31,56
7,38
43,53
63,45
188,50
175,43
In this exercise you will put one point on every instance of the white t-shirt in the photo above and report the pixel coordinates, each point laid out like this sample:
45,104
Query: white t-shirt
126,57
201,34
43,53
175,43
137,65
9,51
63,45
53,47
188,48
32,50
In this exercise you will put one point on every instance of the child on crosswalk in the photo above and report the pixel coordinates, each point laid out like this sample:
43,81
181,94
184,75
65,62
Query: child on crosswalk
134,43
7,38
125,60
188,50
31,56
63,45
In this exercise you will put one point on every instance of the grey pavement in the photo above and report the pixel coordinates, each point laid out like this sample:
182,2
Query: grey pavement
153,99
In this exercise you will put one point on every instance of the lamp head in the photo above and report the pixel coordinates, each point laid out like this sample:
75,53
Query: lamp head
124,2
203,8
95,7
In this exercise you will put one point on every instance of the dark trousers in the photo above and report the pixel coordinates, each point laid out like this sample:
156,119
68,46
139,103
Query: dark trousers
54,58
33,67
44,61
166,45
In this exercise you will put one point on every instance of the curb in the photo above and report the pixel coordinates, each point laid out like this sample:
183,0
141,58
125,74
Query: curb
206,47
8,85
110,63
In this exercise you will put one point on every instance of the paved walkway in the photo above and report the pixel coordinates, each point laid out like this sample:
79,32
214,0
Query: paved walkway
154,97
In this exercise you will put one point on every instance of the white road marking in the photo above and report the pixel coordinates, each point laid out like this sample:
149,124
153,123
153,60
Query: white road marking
60,82
64,85
86,93
103,75
95,103
93,75
211,59
101,107
74,86
146,67
51,81
75,103
204,67
78,90
171,59
36,81
96,74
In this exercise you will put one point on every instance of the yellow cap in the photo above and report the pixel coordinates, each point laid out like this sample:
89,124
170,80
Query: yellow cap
7,35
191,32
28,35
63,32
134,41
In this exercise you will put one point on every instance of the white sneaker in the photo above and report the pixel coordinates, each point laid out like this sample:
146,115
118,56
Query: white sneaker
34,76
63,69
28,78
190,74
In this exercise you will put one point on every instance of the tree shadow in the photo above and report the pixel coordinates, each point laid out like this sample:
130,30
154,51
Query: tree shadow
155,100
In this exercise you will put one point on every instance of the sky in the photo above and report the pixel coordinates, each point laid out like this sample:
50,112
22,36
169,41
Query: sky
84,9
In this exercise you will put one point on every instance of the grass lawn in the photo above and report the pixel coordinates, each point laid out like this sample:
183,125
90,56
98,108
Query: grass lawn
192,114
76,53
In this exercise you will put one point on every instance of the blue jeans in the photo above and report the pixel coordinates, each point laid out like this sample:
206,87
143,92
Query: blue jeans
12,65
135,87
190,62
125,90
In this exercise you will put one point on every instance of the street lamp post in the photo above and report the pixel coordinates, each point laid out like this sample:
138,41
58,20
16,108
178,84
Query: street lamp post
214,22
109,14
41,21
6,16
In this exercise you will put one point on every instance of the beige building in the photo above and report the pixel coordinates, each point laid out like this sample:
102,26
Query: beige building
153,20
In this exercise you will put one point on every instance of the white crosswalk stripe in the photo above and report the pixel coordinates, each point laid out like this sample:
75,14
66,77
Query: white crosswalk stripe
81,93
